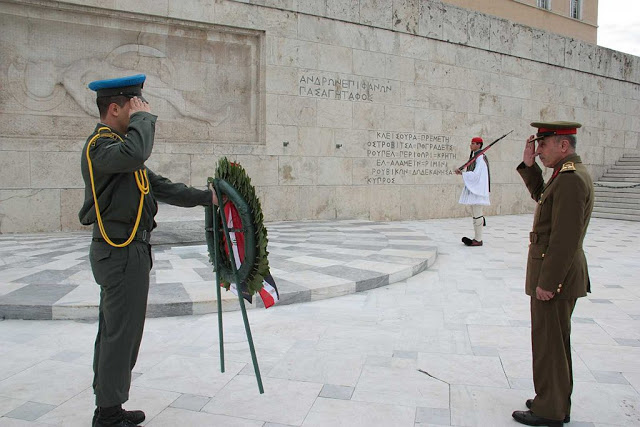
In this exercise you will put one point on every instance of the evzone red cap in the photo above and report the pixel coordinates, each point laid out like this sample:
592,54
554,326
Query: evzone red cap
476,139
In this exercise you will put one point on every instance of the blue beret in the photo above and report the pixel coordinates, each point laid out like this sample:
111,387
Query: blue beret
127,86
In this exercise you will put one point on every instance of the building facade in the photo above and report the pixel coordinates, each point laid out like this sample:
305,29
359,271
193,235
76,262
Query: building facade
577,19
358,109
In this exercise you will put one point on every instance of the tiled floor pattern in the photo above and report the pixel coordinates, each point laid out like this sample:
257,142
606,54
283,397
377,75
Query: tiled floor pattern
48,276
449,346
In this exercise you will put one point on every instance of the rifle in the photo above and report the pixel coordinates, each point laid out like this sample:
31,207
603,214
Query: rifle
473,159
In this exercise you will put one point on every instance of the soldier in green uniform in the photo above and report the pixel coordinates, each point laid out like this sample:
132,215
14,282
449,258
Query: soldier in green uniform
557,272
121,196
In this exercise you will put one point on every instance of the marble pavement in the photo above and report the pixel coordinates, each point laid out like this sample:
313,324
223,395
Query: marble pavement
447,346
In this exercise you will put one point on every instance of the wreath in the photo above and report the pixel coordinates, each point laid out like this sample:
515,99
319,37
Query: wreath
236,189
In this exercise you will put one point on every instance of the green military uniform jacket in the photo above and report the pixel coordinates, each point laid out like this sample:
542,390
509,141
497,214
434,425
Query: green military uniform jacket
114,163
556,260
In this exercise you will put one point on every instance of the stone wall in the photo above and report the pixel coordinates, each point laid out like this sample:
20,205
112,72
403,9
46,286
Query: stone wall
337,109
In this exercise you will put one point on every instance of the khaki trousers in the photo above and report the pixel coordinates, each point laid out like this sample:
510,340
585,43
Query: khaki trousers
551,350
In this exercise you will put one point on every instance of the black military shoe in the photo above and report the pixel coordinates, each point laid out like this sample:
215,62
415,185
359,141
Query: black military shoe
117,417
531,419
467,241
529,402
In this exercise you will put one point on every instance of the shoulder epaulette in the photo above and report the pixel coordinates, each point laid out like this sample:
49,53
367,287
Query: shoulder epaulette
568,167
104,132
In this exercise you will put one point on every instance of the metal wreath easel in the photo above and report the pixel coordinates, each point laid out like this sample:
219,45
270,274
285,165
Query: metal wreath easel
213,235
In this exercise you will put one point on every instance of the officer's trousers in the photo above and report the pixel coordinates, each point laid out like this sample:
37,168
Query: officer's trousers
123,276
551,350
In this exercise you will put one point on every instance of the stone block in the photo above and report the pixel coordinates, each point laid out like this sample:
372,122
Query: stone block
280,203
371,64
522,41
429,121
431,19
296,111
282,80
399,118
377,13
297,171
335,171
281,138
454,25
314,141
70,203
292,53
335,58
541,45
368,115
335,114
55,170
420,48
29,211
176,167
202,167
344,10
385,196
557,49
271,105
319,203
193,10
151,7
313,7
482,60
352,202
361,170
353,142
15,169
273,21
399,68
318,30
405,15
263,170
479,30
501,39
631,141
513,86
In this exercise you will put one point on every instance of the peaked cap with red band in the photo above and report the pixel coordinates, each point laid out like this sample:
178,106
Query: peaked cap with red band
476,139
555,128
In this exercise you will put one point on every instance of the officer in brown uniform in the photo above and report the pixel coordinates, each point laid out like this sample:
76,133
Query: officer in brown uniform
556,267
120,202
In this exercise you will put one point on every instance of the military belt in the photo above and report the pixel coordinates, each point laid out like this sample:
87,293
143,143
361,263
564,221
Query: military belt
141,236
538,238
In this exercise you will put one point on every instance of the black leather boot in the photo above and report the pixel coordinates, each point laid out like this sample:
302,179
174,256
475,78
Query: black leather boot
115,416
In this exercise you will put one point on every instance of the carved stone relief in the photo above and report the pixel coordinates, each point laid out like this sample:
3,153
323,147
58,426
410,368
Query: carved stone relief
204,76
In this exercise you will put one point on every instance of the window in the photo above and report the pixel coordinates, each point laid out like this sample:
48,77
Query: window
544,4
575,9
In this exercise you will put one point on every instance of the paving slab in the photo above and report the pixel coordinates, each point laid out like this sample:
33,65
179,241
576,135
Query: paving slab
359,359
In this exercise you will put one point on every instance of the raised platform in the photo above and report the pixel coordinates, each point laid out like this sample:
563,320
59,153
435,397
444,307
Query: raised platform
48,276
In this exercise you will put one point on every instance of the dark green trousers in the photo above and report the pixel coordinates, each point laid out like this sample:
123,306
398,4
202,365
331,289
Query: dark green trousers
551,350
123,276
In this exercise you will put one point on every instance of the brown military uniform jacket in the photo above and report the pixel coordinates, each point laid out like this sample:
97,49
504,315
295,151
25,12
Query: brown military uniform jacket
556,260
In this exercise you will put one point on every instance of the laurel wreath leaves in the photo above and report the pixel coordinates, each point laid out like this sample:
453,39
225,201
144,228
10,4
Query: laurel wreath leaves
236,176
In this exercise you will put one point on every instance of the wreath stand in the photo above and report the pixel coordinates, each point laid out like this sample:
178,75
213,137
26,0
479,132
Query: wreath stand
213,234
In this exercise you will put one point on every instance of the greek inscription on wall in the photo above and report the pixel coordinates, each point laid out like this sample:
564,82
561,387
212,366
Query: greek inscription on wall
396,156
347,88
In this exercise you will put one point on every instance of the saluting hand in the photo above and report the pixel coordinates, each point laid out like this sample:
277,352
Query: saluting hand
136,105
529,155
